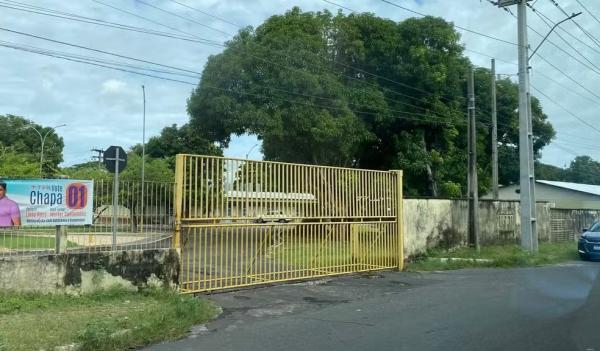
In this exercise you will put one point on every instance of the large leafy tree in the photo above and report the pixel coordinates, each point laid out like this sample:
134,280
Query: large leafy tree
358,91
16,133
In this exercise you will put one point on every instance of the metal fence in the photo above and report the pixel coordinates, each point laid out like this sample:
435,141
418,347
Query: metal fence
566,225
241,222
144,221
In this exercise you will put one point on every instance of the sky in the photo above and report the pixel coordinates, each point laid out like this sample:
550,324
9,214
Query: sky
102,107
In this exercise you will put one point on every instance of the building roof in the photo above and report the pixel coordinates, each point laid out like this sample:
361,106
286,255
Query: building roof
584,188
269,195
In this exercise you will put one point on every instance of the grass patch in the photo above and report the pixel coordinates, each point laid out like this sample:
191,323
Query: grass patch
30,242
111,320
502,256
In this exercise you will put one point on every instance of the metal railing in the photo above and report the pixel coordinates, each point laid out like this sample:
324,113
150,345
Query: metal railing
241,222
147,225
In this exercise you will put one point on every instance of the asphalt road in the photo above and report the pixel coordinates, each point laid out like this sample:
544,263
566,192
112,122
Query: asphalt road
548,308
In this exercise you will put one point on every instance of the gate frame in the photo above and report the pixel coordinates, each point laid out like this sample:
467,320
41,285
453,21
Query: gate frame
397,199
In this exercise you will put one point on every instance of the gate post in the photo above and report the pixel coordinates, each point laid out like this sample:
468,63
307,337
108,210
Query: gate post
399,218
178,202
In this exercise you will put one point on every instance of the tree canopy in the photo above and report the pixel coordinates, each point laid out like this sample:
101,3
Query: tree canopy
20,147
360,91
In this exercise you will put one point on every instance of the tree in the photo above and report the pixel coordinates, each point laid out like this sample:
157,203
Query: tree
175,140
15,133
13,164
299,83
583,169
549,172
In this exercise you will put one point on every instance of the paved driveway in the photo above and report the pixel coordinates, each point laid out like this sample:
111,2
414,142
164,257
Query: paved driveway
548,308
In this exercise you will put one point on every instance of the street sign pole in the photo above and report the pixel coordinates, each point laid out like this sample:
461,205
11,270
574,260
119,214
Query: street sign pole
115,160
115,202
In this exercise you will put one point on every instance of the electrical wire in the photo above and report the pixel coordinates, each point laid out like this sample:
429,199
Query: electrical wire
565,109
77,18
206,13
184,18
459,27
429,119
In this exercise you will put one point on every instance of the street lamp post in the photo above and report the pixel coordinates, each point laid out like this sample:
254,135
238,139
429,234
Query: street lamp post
43,141
249,151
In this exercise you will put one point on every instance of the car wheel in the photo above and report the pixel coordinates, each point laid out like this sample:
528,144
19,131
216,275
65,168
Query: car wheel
584,257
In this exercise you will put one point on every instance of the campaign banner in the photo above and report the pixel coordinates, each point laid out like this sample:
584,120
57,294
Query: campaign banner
44,202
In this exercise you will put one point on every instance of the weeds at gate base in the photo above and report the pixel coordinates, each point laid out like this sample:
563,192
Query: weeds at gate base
499,256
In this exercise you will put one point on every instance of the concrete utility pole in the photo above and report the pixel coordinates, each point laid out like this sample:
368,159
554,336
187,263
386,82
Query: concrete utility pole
494,135
143,159
529,237
526,167
473,193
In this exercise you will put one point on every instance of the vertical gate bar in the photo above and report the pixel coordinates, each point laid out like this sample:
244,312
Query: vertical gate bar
237,254
195,179
399,220
247,183
179,164
224,232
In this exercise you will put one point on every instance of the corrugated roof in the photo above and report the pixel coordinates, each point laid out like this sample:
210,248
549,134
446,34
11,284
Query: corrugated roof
584,188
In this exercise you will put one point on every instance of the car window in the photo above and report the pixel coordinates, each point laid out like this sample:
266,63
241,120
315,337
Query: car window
595,227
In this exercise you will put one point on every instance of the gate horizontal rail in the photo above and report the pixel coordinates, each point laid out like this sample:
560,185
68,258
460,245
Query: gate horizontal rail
240,223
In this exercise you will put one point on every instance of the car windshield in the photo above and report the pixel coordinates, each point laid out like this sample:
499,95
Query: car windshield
595,227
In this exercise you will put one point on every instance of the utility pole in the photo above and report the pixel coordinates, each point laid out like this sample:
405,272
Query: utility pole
494,135
529,237
473,193
527,181
143,158
100,156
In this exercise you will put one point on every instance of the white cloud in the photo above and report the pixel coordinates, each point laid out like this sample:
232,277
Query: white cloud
113,86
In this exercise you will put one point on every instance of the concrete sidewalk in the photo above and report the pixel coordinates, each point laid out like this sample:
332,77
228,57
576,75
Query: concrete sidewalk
548,308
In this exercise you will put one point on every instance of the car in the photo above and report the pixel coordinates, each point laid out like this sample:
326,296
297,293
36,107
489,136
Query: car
589,243
273,216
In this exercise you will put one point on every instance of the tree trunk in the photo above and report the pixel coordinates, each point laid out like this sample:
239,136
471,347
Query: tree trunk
433,189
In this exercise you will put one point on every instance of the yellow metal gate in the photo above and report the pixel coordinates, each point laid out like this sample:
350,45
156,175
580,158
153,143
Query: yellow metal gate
240,223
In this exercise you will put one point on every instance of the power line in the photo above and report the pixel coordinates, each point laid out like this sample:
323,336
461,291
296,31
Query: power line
182,17
594,39
568,77
459,27
428,120
147,19
81,58
588,11
94,50
214,43
559,48
564,40
328,61
162,65
539,13
278,64
93,59
77,18
566,110
206,13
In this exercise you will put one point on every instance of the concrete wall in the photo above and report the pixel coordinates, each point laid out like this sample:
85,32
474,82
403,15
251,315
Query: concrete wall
430,223
88,272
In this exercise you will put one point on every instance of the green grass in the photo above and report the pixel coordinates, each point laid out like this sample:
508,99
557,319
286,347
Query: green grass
331,254
503,256
29,242
111,320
